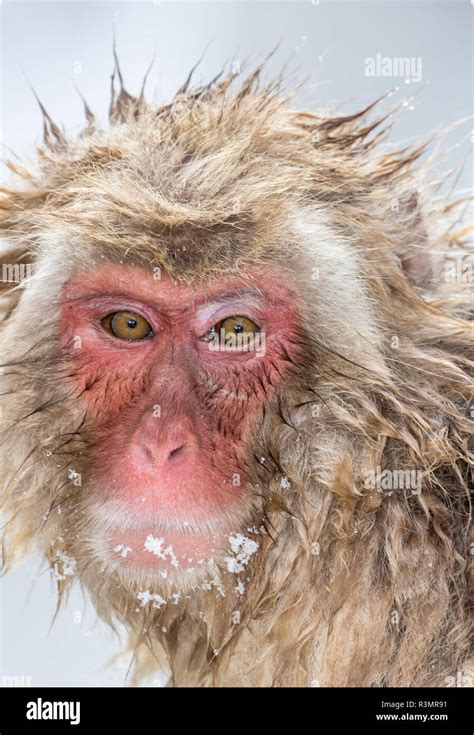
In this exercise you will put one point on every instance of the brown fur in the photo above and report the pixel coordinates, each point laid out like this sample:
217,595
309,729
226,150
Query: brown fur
350,586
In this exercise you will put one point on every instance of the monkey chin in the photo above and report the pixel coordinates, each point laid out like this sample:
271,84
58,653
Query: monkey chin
170,562
149,553
165,551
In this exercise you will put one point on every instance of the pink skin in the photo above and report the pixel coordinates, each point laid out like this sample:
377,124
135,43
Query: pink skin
173,475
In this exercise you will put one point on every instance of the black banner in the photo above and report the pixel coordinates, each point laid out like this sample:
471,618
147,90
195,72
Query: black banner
55,710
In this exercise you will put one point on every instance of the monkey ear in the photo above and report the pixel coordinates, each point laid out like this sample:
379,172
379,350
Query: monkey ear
418,261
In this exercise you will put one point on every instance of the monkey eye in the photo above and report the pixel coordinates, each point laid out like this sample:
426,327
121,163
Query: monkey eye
230,328
127,325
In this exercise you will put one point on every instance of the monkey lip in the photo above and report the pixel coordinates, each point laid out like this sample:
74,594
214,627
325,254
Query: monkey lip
167,550
164,541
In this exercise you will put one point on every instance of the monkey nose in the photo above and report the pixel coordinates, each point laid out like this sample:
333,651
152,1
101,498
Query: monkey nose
164,446
149,455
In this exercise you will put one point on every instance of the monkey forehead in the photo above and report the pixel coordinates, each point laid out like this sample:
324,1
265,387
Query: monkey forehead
269,283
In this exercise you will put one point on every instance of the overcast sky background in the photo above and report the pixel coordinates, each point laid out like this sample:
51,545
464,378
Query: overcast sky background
56,45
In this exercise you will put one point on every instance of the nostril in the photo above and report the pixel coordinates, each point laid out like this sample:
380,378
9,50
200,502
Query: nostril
175,452
148,455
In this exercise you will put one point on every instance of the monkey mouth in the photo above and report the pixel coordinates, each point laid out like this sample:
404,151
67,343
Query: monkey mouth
164,546
167,551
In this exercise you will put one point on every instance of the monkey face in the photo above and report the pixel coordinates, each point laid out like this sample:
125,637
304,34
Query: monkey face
173,378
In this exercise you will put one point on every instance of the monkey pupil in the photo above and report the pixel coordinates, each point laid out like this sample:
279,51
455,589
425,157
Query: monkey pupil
132,323
238,328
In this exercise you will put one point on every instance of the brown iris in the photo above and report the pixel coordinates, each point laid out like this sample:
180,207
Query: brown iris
234,326
127,325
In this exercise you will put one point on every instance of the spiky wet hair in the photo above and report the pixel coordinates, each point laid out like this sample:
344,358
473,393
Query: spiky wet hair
351,586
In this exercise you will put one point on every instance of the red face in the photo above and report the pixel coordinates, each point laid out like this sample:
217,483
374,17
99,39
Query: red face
173,378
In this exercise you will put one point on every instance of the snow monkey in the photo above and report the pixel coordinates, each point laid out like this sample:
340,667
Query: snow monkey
236,392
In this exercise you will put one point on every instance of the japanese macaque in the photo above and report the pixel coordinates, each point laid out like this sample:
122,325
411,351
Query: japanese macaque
236,389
